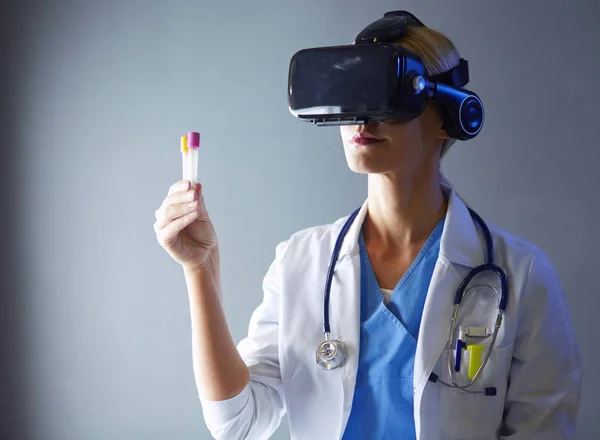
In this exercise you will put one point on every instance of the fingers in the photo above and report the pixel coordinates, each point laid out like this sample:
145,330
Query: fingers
180,197
168,213
181,185
178,204
167,235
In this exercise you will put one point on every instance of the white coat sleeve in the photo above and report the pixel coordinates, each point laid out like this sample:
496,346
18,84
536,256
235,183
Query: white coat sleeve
256,412
545,376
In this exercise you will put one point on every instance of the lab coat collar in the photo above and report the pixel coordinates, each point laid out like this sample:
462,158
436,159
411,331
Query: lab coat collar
459,244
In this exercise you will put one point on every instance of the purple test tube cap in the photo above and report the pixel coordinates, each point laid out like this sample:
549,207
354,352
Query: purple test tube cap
193,139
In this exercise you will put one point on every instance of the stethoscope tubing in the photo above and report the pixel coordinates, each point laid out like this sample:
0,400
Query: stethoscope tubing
489,265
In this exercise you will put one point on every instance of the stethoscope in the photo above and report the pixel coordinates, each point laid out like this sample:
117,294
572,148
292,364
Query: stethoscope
332,353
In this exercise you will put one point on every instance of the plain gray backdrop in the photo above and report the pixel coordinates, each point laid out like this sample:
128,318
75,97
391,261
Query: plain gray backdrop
94,319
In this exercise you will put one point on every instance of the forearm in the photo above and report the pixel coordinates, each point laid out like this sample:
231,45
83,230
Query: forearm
219,370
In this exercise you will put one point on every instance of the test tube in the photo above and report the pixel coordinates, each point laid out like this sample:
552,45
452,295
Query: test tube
184,158
193,147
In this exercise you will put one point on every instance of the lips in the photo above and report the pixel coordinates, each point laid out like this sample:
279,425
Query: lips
364,138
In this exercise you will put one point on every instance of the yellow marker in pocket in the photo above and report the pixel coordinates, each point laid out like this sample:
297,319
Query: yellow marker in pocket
475,355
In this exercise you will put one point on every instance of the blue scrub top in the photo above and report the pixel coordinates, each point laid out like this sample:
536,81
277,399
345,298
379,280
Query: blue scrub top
382,406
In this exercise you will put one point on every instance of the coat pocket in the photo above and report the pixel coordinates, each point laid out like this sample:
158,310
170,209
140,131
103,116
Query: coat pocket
468,415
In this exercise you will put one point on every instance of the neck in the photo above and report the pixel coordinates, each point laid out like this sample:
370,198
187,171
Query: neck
403,210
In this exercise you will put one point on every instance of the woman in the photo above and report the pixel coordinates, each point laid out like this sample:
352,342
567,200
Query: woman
403,258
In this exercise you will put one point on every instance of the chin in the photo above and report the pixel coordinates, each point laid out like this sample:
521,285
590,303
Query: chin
364,161
370,167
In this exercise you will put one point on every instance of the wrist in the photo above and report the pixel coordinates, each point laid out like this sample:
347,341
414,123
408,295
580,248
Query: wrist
209,265
204,277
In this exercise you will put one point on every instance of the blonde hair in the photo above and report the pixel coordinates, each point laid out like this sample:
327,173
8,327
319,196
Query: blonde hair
437,52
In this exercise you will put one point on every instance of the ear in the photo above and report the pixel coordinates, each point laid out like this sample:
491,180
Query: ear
441,134
435,121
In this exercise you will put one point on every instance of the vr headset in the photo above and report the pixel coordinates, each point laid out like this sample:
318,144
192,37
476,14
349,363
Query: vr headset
377,80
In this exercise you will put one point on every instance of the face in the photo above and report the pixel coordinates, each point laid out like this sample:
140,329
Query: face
394,147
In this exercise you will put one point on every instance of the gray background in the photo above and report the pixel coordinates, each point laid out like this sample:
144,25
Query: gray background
94,320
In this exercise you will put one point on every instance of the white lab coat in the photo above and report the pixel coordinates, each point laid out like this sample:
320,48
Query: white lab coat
535,364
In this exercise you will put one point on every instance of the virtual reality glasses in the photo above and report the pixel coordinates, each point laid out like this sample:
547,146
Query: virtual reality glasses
376,80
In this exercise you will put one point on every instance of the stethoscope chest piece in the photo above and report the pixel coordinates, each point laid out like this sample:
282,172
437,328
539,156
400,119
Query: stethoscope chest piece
331,354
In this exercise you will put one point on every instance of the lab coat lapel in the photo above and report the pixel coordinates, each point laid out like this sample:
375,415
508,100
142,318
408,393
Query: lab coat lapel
345,309
436,319
460,244
346,323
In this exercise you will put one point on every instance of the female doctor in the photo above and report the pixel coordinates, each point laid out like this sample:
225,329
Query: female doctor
396,372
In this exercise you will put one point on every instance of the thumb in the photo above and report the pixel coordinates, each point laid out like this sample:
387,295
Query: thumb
202,212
